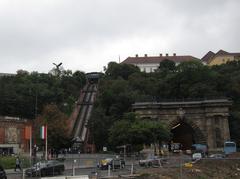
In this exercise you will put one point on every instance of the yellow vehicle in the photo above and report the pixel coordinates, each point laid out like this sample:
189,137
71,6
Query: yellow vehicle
113,163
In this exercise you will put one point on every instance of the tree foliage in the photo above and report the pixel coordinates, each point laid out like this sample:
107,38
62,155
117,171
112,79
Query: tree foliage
25,94
138,132
57,125
167,66
115,70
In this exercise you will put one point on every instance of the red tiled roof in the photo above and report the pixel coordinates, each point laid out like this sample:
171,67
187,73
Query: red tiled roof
158,59
208,56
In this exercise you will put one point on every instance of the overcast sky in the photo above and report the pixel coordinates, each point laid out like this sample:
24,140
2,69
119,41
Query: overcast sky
87,34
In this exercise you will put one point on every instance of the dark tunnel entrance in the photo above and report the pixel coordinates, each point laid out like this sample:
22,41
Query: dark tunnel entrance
184,134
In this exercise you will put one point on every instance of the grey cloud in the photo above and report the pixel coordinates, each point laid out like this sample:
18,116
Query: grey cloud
33,31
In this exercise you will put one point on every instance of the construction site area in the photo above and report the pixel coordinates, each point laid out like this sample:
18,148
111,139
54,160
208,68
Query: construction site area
202,169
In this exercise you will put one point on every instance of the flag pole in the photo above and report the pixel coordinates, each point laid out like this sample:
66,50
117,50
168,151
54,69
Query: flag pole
46,153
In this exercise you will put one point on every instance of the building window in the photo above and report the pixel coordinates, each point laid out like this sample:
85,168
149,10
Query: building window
223,60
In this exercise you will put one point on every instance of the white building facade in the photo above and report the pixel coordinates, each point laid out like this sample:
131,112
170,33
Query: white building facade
150,64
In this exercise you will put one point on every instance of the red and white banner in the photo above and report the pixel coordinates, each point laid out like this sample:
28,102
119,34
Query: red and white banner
43,132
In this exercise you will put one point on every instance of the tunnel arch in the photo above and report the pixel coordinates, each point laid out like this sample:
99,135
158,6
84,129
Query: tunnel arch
186,132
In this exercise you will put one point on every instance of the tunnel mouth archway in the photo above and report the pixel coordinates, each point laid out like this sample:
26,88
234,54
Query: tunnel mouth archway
183,133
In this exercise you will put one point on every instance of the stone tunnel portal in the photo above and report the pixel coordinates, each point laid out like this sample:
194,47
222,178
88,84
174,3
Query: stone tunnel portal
201,122
184,134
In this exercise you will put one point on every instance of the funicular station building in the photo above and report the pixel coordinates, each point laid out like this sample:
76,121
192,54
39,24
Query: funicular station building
191,122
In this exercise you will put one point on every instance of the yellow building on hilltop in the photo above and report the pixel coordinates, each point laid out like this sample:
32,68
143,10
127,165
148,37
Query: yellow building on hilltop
221,57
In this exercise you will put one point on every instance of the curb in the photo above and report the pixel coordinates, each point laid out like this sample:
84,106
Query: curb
11,171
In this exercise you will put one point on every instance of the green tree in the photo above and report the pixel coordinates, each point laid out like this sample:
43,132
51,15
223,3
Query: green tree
137,132
26,93
167,66
115,70
193,80
99,126
57,125
158,133
119,133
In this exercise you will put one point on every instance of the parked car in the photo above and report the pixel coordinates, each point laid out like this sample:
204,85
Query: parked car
176,147
217,156
150,161
46,168
2,173
113,163
197,156
200,148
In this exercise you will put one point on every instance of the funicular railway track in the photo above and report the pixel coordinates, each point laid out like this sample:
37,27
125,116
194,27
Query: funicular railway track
86,105
81,115
81,111
77,111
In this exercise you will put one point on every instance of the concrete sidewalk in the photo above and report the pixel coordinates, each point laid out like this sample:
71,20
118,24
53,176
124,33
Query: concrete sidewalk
12,171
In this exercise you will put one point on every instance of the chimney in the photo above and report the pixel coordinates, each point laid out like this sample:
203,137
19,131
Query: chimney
166,54
136,55
160,55
174,54
145,55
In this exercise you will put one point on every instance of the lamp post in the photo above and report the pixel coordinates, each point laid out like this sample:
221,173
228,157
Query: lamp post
32,140
33,129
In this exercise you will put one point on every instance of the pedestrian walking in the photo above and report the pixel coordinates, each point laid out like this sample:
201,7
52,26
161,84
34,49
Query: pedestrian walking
18,164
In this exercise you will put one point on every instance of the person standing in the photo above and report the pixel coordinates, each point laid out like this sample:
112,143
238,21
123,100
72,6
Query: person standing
18,164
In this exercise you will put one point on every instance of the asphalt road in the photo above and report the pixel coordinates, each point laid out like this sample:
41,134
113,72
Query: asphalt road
83,164
79,171
86,164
